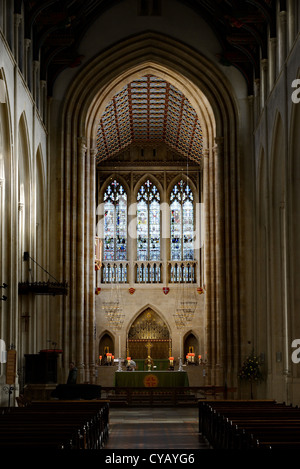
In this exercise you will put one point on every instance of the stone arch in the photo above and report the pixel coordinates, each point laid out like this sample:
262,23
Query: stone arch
143,179
7,214
191,344
148,328
142,309
25,190
105,184
187,178
214,100
106,343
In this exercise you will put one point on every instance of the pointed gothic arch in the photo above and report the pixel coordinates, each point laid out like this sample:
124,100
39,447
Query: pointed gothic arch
213,99
148,335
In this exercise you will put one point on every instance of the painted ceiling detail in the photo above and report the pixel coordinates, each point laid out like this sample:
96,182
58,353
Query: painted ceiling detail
149,110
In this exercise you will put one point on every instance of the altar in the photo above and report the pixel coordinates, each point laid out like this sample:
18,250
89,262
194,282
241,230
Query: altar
140,379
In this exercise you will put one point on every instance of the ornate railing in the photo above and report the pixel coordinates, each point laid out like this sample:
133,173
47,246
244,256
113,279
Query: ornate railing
182,271
114,272
148,272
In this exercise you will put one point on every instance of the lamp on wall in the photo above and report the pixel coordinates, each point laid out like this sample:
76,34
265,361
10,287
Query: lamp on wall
42,288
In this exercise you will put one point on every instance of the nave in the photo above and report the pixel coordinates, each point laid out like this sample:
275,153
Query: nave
168,428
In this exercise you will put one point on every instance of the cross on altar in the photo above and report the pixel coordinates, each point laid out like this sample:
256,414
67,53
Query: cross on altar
149,347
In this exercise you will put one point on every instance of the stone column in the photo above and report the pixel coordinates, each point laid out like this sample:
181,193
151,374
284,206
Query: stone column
207,281
17,22
282,44
272,61
291,23
87,263
264,81
80,258
91,273
220,273
210,264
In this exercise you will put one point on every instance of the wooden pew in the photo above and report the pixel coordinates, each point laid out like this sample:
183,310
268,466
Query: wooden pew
55,424
249,424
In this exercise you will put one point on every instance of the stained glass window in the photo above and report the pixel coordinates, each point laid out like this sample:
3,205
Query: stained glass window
182,222
148,222
115,222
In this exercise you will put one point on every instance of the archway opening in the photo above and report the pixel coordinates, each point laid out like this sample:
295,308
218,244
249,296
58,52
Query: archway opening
149,336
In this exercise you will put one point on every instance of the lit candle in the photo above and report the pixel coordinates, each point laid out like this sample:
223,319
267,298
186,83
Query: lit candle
100,358
171,360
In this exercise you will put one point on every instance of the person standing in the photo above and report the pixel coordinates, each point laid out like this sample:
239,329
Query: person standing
72,378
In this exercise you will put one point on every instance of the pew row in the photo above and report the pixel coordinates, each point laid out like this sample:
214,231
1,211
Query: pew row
55,425
242,425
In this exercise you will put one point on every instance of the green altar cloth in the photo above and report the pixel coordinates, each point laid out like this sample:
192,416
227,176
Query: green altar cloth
161,364
139,379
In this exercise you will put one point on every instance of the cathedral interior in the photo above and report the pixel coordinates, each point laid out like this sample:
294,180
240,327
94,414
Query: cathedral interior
149,191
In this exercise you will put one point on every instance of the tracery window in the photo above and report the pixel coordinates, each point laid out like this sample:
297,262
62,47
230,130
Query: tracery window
115,222
182,222
148,222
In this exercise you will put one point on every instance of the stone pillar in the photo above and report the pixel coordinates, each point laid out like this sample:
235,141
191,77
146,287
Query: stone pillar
220,273
264,81
272,61
207,281
17,22
210,242
87,263
291,23
91,271
282,44
80,258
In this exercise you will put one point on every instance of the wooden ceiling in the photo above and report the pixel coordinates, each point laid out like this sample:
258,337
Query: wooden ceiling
149,110
56,28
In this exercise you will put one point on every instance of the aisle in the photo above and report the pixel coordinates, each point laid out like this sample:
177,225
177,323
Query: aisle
154,428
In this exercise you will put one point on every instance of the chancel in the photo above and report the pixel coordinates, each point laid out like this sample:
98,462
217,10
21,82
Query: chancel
149,207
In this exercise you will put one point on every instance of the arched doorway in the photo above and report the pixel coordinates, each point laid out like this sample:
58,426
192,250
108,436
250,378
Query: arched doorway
191,345
149,335
106,344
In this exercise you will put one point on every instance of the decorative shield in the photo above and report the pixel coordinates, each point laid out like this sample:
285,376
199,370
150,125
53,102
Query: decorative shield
131,291
200,290
97,291
166,290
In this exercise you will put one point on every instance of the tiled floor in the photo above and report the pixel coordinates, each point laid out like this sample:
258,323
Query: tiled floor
155,428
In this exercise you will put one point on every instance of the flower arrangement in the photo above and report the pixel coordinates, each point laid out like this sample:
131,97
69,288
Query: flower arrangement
250,370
